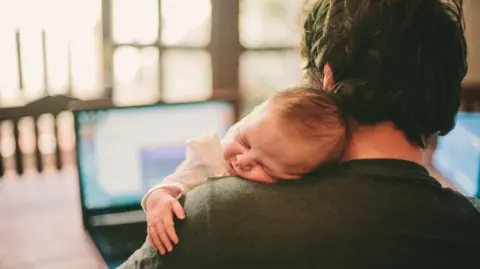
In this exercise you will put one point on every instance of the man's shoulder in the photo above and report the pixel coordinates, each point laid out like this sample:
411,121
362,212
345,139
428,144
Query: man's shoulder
217,190
475,202
233,193
223,188
229,181
234,186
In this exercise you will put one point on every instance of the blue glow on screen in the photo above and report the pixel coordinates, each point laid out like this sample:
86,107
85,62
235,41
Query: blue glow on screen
124,152
457,155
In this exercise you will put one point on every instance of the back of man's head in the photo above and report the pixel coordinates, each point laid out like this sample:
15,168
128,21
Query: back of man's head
393,60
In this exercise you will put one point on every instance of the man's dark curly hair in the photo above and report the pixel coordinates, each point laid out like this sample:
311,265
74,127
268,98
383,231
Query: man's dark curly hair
392,60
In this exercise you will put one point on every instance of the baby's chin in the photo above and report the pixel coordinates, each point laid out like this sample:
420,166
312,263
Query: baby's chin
257,177
263,180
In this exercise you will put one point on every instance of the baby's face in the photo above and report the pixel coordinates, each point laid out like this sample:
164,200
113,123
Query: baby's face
264,147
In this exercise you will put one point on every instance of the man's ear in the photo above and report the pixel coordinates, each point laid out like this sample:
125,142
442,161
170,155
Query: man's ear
327,77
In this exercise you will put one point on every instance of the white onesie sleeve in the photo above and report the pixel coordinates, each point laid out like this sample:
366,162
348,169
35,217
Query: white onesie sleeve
204,159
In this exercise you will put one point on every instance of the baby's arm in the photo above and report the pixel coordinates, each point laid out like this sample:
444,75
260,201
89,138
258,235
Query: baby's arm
204,159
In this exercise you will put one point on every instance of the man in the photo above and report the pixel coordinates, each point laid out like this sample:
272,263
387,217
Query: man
398,66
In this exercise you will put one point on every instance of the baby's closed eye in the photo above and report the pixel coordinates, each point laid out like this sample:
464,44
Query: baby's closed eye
243,140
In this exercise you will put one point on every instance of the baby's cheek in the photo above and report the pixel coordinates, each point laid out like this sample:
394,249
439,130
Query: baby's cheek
230,149
226,153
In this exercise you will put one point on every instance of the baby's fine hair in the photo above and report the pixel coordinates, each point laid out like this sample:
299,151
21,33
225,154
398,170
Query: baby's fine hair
317,114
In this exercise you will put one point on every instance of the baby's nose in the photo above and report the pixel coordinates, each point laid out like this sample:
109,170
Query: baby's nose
244,162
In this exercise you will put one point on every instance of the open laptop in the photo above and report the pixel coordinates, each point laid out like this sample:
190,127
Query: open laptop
124,151
457,155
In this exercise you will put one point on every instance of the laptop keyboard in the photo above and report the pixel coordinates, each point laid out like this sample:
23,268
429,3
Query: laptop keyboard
119,241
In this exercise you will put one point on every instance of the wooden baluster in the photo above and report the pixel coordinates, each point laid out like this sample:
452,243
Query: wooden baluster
26,128
7,147
2,159
66,139
18,152
58,153
38,155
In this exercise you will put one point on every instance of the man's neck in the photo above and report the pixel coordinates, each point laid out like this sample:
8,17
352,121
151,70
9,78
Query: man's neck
380,141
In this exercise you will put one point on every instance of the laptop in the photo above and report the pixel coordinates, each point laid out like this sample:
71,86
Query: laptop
457,155
122,152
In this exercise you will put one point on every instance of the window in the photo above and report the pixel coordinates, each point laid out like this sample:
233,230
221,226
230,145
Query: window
167,60
186,22
51,47
149,50
145,51
135,73
187,75
263,73
270,34
270,23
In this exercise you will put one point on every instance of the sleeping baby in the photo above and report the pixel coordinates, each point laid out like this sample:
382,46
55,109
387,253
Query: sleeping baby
289,135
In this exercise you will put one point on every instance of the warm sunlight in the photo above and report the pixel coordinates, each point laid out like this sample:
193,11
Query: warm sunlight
186,22
65,23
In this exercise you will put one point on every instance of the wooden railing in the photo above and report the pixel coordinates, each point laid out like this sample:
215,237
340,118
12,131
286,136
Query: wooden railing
40,135
33,134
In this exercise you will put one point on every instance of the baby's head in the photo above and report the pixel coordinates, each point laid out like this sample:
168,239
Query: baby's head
286,137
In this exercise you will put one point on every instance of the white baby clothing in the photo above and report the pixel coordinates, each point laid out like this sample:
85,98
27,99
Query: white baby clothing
204,159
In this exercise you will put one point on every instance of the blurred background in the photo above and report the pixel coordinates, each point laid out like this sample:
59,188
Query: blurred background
137,52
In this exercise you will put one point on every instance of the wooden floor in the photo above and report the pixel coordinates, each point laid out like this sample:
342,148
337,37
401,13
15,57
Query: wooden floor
40,225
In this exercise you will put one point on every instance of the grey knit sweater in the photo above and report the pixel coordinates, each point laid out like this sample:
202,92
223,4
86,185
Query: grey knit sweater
361,214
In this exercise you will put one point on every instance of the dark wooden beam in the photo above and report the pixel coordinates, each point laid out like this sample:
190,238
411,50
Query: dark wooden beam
19,59
471,97
160,50
44,63
107,44
38,154
225,48
17,155
46,105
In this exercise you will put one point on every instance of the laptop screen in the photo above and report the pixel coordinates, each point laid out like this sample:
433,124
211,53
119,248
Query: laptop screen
123,152
457,155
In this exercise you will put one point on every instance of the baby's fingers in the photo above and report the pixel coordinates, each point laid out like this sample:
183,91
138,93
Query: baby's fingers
178,209
170,229
154,239
160,228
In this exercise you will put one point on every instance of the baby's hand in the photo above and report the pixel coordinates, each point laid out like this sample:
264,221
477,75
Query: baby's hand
160,207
